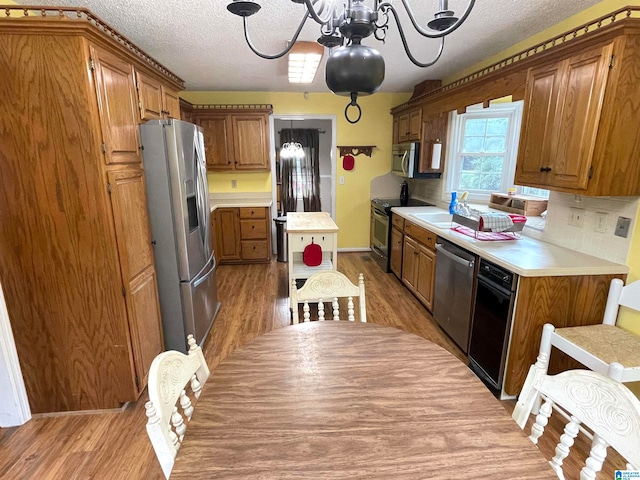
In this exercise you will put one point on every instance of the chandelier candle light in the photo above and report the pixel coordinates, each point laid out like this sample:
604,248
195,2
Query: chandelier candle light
354,69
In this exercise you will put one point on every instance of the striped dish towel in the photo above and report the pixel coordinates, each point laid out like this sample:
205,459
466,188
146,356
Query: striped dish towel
495,222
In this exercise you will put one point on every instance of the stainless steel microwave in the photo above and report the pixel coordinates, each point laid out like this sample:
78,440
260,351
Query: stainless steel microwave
405,161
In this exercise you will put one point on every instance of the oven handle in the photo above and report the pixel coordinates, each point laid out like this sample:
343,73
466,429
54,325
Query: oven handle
381,216
454,257
494,287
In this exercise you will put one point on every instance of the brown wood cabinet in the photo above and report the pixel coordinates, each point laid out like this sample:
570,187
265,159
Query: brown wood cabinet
563,106
156,101
76,264
397,242
434,130
243,235
409,124
418,262
235,140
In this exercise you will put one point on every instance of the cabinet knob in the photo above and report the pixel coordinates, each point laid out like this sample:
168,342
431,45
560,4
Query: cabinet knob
545,169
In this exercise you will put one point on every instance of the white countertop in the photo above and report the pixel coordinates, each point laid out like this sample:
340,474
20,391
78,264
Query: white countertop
525,256
243,199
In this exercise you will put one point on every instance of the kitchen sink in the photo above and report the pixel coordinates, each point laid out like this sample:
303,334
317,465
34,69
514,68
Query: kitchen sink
439,220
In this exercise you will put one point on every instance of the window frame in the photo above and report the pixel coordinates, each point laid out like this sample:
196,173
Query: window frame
512,110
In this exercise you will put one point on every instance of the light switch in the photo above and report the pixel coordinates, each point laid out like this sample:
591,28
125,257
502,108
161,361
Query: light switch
234,184
341,179
576,216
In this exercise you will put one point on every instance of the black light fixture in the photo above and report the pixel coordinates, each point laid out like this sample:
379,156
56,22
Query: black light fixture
354,69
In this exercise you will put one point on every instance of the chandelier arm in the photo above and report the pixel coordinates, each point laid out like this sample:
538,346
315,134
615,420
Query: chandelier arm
277,55
316,15
422,31
406,45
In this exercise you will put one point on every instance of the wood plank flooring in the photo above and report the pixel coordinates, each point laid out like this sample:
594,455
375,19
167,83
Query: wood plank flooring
114,445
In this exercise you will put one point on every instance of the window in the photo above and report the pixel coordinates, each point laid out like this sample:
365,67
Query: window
484,147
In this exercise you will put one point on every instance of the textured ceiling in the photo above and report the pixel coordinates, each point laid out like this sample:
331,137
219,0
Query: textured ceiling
201,42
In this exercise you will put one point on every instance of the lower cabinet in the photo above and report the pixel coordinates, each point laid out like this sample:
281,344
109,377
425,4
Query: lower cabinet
242,235
419,262
396,244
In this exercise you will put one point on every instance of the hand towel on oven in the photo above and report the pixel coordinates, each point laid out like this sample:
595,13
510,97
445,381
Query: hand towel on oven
495,222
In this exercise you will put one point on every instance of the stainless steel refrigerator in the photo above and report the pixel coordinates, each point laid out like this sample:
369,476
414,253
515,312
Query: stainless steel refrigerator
176,176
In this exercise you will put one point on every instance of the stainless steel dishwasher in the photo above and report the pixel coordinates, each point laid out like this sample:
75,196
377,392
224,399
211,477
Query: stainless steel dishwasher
454,291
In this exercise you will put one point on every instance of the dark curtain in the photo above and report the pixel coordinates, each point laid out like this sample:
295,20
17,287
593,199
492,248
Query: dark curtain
309,138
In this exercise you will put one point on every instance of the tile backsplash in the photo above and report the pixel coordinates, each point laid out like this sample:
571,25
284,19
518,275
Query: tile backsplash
585,238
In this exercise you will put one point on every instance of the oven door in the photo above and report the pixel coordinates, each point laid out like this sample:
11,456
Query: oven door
379,233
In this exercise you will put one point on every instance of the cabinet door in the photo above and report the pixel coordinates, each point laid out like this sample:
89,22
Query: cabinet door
133,238
250,142
537,125
577,117
425,276
404,128
217,149
118,107
395,251
171,103
149,97
415,123
396,126
227,234
434,130
409,262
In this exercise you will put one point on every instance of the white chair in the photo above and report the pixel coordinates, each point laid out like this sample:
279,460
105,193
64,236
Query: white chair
607,408
169,408
329,286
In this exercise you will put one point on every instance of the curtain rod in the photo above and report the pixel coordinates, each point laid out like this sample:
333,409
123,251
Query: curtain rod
319,131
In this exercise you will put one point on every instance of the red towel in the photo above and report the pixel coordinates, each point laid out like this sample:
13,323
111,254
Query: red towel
312,255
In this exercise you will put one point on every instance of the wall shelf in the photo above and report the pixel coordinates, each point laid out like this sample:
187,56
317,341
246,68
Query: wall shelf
356,150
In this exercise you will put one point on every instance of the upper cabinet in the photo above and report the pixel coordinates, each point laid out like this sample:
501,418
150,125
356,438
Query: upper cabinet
408,126
156,101
562,117
235,139
434,131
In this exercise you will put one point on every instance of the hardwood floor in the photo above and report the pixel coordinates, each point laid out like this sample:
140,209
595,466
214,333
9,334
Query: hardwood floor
114,445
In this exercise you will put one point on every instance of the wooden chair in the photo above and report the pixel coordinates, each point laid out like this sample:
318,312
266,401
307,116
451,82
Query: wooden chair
595,346
607,408
169,407
329,286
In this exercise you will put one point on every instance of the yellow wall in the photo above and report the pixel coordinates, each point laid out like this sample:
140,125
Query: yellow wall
375,127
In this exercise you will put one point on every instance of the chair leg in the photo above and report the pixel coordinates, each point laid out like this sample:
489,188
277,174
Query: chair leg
529,398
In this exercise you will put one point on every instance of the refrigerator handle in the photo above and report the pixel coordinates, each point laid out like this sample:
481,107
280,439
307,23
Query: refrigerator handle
202,192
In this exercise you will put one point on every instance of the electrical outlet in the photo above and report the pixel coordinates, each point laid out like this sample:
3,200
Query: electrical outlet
622,227
600,224
576,217
234,184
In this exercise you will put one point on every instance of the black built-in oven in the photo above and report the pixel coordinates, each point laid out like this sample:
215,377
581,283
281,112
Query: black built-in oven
495,295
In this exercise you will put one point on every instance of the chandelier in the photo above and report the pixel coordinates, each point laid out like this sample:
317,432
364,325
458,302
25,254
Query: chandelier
291,149
354,69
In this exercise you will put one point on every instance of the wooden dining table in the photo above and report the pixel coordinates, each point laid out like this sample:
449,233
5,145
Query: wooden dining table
327,400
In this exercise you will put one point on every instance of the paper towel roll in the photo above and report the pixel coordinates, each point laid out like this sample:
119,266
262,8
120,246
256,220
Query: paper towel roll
436,152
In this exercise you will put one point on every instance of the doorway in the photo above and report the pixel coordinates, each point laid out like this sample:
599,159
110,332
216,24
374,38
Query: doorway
325,124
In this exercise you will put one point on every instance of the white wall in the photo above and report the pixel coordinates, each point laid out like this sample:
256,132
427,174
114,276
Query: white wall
14,405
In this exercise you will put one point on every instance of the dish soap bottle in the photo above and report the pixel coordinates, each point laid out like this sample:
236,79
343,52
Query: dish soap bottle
454,202
404,194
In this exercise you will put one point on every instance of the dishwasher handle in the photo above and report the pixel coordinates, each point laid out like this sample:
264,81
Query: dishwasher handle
454,257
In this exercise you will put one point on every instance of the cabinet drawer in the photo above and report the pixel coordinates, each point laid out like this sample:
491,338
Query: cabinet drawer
253,212
255,249
423,236
251,229
397,221
297,241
